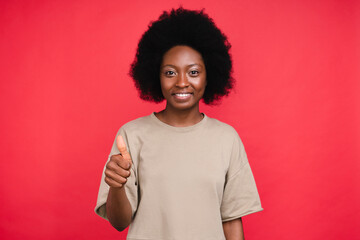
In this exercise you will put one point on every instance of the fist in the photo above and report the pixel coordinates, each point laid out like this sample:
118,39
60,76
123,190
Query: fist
118,168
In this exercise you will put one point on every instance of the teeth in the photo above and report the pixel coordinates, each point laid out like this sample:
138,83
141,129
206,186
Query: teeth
182,94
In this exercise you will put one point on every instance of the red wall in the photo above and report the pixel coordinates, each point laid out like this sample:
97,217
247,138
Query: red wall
65,92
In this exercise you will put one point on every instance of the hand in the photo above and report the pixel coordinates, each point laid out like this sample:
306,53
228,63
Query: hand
118,168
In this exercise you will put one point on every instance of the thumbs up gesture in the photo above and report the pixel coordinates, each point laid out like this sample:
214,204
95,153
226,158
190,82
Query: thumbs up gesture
118,168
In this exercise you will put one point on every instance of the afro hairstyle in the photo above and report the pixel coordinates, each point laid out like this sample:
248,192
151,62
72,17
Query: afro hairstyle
183,27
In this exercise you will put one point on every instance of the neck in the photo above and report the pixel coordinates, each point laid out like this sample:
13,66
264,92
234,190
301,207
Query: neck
180,118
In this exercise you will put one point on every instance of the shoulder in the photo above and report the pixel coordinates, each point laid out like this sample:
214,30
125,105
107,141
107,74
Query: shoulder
225,134
137,126
140,122
225,129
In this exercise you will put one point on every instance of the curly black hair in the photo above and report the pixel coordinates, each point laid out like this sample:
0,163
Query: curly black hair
183,27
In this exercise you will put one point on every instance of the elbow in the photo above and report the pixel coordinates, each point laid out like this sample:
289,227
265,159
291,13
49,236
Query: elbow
119,227
119,224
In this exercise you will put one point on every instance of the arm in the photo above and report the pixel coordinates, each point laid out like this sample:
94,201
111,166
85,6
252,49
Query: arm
118,208
233,229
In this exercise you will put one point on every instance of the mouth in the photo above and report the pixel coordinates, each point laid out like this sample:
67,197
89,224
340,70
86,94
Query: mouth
182,96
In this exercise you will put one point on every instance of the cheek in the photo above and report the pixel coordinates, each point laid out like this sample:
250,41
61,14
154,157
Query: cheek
165,86
201,83
162,83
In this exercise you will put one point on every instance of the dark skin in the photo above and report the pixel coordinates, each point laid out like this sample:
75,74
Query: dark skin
117,171
183,83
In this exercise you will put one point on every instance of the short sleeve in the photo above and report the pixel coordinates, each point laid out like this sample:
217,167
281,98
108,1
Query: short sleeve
240,195
131,186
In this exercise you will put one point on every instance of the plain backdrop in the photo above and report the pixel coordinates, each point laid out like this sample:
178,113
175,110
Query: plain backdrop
65,91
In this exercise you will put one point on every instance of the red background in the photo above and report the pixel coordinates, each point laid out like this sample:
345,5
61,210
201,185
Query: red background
65,92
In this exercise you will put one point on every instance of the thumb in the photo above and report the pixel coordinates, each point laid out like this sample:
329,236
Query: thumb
120,143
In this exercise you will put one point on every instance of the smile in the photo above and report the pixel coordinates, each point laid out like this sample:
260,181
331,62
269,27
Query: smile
181,97
182,94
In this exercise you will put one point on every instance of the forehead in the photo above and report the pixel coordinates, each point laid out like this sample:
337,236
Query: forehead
182,55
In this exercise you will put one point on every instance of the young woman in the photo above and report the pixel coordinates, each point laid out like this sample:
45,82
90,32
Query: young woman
179,174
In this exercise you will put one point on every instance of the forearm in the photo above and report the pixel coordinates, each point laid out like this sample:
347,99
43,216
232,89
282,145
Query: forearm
118,208
233,230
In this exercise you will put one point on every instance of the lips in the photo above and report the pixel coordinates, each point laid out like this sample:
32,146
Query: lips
182,96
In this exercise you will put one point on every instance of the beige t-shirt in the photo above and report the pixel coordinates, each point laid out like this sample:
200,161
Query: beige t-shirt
185,181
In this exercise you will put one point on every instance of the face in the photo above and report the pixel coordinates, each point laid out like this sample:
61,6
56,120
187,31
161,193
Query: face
182,78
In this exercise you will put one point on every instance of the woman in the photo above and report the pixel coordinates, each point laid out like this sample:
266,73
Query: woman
178,174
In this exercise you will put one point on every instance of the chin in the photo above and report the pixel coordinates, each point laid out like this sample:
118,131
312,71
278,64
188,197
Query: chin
183,107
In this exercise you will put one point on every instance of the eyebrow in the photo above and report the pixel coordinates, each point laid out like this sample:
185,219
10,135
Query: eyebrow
191,65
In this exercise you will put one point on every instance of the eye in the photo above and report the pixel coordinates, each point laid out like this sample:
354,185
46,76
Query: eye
194,72
169,73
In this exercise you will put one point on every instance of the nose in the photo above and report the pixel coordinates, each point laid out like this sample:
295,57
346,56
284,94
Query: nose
182,81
